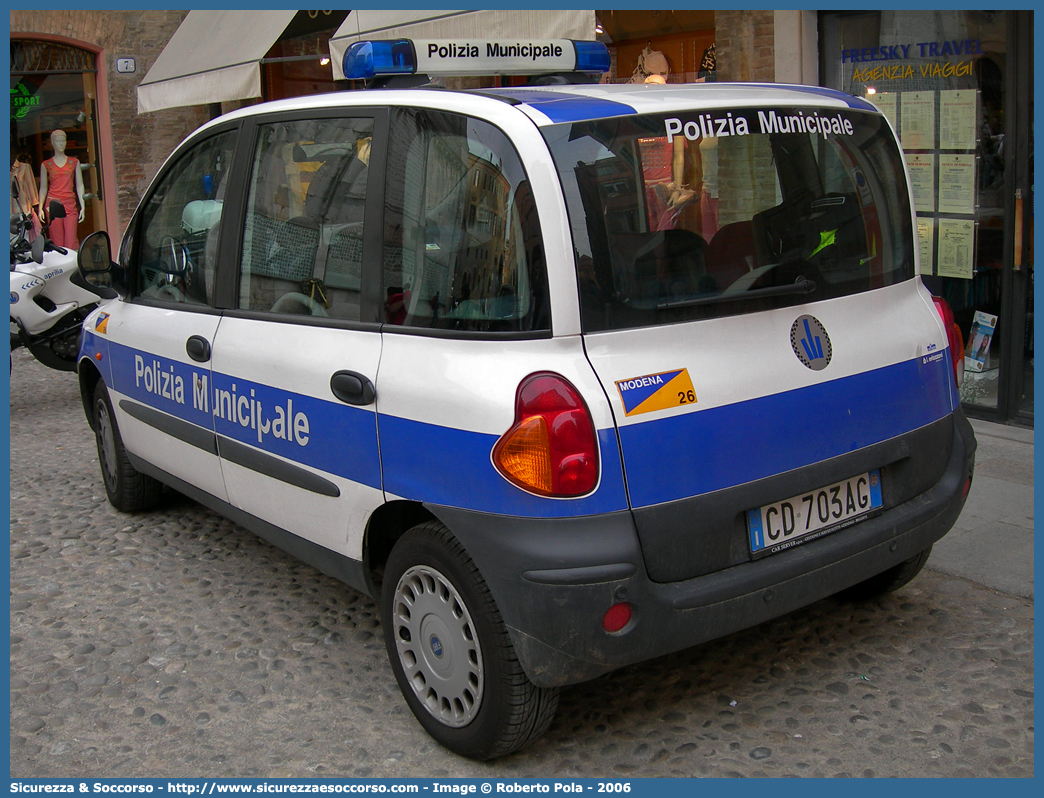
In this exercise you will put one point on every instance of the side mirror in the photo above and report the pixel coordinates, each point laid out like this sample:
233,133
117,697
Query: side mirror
94,264
55,210
95,254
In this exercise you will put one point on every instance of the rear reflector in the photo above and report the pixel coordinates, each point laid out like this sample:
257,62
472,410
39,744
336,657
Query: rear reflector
617,617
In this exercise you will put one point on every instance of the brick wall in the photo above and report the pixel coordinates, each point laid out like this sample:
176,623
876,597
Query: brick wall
139,143
745,45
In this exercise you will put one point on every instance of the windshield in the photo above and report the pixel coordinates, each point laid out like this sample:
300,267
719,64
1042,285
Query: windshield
702,214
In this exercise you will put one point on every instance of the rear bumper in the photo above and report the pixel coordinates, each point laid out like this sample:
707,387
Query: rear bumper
553,580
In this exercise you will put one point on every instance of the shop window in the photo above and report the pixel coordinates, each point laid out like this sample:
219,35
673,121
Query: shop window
943,82
53,87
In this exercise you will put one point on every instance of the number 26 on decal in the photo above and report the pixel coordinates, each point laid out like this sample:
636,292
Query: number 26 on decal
686,397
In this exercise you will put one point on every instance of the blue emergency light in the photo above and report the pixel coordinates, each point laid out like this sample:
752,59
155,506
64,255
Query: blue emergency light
370,59
365,60
592,57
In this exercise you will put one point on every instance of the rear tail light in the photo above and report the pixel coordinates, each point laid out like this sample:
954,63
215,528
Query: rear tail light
954,337
551,449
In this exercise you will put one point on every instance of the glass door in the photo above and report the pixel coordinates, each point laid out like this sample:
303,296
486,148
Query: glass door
957,87
1017,393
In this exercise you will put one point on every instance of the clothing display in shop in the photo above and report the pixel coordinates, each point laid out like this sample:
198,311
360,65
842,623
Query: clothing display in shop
60,179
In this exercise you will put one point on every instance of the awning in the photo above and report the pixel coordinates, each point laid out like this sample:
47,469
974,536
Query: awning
417,24
214,56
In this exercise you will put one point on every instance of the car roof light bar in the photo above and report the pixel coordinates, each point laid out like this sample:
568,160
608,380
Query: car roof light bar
380,58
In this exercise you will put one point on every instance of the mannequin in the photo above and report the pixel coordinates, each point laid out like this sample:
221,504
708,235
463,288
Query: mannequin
60,179
28,200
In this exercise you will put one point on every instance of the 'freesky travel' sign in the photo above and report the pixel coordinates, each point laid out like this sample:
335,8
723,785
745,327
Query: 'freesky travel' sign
900,52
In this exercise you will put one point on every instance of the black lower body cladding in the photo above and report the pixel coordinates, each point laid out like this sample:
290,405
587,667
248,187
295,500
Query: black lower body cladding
554,579
705,534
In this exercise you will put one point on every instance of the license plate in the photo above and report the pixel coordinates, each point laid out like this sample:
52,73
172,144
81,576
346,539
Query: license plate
811,515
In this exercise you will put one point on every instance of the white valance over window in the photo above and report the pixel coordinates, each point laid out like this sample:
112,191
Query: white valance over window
417,24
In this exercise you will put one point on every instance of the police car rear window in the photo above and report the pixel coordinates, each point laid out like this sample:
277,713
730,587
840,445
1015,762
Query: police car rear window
708,213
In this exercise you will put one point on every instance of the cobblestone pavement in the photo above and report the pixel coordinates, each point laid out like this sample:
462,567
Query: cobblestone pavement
178,644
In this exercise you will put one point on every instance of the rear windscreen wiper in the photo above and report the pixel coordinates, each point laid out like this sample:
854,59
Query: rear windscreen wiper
803,286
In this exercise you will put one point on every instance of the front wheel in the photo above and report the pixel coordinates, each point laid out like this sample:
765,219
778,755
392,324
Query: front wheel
127,488
451,653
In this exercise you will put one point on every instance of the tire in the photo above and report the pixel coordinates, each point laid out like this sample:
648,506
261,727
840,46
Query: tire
62,358
128,489
887,581
450,651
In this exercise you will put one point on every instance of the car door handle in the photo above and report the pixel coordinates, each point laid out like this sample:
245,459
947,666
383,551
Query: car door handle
198,348
352,388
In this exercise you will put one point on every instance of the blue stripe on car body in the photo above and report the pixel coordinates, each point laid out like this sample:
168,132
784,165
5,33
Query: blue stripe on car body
414,453
737,443
452,467
231,401
745,441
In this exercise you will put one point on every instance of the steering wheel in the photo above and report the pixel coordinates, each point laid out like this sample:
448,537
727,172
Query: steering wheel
174,256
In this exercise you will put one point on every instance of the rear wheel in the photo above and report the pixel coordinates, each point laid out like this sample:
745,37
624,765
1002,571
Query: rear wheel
127,488
451,653
888,581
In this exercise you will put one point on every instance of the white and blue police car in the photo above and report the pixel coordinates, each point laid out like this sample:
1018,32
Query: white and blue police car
567,376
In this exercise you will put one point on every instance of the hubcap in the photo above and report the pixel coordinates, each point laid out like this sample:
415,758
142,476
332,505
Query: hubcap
106,445
437,646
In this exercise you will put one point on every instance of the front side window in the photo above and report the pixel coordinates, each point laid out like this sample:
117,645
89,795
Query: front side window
303,232
176,252
702,214
462,241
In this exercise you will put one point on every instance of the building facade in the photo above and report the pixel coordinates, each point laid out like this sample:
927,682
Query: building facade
86,72
78,71
958,88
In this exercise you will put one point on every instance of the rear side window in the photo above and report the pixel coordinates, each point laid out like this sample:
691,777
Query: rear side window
462,246
703,214
302,236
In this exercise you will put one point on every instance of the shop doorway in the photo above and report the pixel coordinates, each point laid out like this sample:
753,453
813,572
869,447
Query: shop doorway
958,87
53,87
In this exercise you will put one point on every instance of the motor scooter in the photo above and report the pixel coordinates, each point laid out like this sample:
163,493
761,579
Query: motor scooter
49,297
